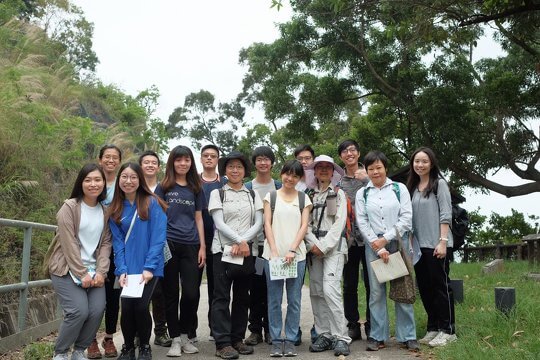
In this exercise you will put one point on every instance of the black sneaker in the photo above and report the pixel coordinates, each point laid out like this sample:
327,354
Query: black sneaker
254,339
354,331
227,352
242,348
298,340
163,340
341,348
374,345
145,352
324,342
411,345
126,354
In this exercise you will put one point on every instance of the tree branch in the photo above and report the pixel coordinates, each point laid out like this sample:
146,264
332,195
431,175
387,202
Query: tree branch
516,40
483,18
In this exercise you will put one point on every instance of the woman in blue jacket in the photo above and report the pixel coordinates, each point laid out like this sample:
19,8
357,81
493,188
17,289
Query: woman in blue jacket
138,225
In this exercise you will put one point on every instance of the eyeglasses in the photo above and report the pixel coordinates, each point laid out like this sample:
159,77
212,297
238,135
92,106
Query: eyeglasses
304,158
350,150
261,159
210,156
132,178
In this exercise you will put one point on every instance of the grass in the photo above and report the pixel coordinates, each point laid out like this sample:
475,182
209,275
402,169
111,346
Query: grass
483,332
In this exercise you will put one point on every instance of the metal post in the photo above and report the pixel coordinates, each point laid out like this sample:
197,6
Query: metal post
505,299
25,276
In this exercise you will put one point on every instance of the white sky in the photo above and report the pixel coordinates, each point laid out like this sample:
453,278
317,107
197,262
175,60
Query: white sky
183,46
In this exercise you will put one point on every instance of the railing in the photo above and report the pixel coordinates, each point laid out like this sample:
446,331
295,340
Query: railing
24,285
529,249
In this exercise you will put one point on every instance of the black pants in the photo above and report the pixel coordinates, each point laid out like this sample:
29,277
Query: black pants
433,279
229,325
184,262
112,298
136,318
351,277
258,302
158,308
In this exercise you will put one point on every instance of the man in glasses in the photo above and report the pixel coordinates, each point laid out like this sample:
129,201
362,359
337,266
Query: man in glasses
305,155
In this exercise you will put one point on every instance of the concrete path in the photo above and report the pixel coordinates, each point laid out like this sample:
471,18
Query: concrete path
262,351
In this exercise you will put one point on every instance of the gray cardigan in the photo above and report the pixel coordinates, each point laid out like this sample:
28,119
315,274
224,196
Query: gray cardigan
428,215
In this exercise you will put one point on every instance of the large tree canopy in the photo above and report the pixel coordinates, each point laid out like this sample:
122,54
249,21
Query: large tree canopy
399,74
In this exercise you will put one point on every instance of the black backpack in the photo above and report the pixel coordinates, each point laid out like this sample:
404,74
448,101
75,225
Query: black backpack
460,225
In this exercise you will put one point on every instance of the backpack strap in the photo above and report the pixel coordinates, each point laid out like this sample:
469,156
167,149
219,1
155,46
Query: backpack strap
249,185
277,184
301,201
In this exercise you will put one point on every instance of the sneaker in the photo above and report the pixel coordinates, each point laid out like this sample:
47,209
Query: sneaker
63,356
324,342
110,349
194,339
374,345
211,338
313,334
127,354
276,349
298,340
341,348
228,352
430,335
289,349
93,351
442,339
242,348
176,347
187,345
354,331
267,338
78,354
145,352
411,345
254,339
163,340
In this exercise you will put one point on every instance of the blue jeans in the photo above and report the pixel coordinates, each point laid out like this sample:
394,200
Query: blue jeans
294,300
380,327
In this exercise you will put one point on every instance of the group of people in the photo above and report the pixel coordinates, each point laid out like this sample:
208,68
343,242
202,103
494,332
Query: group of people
121,226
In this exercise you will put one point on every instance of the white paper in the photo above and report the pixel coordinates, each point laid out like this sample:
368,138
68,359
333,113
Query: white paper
395,268
279,269
134,288
229,258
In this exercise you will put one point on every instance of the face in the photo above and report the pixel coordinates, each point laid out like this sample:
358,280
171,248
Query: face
209,159
263,164
129,182
92,185
110,161
182,164
150,165
235,171
421,164
289,180
324,171
349,156
377,173
305,158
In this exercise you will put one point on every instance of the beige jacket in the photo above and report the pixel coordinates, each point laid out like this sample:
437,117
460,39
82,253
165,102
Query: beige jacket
66,247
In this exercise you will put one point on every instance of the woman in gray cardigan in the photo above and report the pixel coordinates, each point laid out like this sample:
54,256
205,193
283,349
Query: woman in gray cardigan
432,217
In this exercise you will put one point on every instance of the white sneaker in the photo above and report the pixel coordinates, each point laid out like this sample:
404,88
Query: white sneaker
78,355
430,335
194,340
176,347
63,356
187,345
442,339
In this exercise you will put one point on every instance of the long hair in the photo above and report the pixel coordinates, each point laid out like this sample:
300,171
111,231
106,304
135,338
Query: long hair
434,172
77,192
193,179
143,195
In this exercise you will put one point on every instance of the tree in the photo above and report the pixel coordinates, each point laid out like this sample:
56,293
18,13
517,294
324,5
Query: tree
204,121
499,228
397,75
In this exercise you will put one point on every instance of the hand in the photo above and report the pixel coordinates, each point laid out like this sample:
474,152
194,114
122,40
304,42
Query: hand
378,244
385,255
99,280
123,280
243,249
235,250
202,257
146,277
290,257
360,174
87,281
440,250
316,251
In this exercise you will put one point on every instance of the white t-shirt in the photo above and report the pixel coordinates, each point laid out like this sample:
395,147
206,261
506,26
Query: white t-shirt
287,219
90,229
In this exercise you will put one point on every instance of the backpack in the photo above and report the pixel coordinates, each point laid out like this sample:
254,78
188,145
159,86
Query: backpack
396,189
301,201
460,225
222,194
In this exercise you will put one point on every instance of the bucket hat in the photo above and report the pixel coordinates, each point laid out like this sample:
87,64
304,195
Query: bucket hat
311,181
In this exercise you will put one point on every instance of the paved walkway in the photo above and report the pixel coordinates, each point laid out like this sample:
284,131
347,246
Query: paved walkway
262,351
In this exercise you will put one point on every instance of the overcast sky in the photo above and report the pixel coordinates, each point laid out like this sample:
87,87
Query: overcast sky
183,46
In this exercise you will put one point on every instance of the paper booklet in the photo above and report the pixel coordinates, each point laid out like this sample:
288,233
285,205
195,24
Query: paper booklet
134,288
395,268
230,258
279,269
